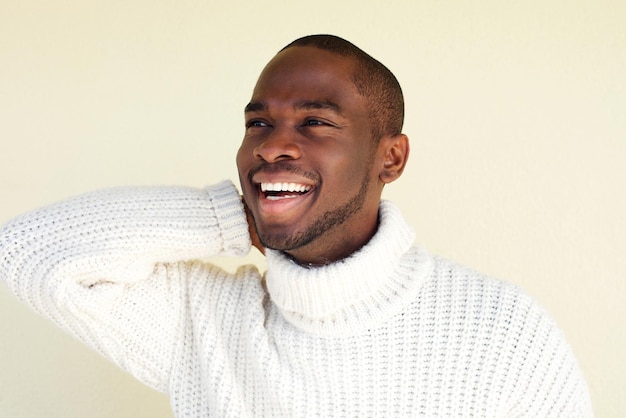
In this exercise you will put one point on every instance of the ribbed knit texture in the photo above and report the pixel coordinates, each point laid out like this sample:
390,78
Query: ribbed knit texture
389,331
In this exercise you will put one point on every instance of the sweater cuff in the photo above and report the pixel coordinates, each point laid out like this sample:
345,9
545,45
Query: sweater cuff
231,218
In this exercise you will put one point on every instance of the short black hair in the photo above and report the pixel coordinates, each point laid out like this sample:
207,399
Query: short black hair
372,79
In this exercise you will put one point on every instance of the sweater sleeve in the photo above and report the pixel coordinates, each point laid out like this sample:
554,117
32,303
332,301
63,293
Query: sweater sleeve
549,382
97,265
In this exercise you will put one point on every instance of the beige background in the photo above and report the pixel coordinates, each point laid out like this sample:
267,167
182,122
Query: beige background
516,112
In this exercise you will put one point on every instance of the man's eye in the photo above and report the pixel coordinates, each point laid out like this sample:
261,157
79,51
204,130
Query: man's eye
256,124
313,122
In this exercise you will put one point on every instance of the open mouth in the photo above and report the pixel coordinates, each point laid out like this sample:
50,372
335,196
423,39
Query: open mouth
279,191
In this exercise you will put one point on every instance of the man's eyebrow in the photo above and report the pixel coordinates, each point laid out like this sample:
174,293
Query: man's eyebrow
317,104
255,107
301,105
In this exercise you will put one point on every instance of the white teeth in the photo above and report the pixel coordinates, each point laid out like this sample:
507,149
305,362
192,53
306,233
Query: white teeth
284,187
280,197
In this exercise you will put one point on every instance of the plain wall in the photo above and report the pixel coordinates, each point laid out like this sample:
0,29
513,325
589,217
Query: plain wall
516,113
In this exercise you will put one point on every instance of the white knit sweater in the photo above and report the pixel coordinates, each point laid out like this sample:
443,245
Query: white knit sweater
389,331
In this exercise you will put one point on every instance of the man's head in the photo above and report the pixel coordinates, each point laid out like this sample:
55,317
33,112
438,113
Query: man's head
316,154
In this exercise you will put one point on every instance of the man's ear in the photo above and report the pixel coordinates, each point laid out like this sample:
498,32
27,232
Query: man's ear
396,153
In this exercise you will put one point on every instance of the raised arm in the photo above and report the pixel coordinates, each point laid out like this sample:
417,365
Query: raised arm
100,265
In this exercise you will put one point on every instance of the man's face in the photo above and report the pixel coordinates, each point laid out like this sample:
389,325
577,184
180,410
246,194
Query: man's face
307,163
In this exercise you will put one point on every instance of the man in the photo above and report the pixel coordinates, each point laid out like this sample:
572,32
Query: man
351,319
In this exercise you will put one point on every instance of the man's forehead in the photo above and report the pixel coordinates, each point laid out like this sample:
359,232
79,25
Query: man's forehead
301,68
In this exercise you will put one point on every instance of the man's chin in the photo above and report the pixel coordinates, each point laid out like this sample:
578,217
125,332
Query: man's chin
284,242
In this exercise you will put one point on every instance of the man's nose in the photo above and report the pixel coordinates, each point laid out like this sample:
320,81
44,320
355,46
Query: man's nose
280,144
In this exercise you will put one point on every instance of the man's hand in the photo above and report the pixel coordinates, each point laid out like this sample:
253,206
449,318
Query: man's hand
252,228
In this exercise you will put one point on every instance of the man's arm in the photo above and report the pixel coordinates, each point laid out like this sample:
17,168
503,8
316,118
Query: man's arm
106,266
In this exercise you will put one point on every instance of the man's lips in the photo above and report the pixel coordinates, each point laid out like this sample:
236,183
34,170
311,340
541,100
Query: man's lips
282,172
282,187
283,190
281,184
281,198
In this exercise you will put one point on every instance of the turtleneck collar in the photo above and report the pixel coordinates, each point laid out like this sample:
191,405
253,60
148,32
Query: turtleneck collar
321,299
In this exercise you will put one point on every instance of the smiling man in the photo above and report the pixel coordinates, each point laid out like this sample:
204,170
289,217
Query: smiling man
351,317
315,156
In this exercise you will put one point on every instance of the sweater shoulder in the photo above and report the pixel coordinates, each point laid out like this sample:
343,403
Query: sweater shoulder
458,279
496,309
520,340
